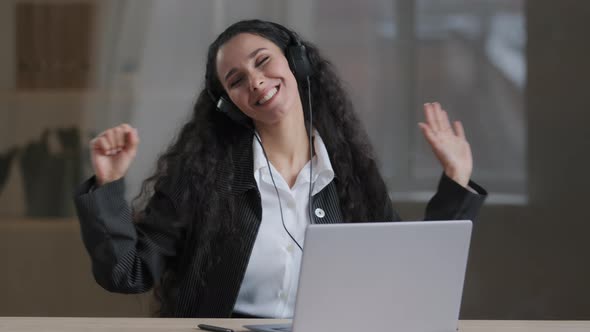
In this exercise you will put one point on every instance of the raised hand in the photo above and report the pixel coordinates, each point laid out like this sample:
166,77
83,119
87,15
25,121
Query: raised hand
449,146
112,152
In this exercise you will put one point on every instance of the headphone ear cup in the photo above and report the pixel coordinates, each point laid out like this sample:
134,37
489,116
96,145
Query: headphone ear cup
299,62
225,106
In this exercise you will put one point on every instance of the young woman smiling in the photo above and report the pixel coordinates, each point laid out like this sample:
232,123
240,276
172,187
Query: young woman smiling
218,225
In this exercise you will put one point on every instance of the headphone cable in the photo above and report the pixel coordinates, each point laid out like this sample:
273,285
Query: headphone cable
311,149
277,191
310,168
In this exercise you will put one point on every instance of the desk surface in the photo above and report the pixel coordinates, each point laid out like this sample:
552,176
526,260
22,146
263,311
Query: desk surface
53,324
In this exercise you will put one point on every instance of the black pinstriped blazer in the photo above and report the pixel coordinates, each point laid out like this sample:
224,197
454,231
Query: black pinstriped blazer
130,257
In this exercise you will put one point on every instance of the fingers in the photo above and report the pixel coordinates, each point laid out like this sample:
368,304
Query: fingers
443,119
100,144
119,138
437,118
131,139
438,115
459,129
428,133
115,140
112,139
431,119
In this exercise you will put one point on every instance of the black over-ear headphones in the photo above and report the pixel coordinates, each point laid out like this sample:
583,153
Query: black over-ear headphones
299,63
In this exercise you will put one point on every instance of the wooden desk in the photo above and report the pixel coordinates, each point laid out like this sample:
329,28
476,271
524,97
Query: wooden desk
35,324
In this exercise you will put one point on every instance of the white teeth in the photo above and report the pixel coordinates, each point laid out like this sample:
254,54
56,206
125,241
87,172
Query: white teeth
267,97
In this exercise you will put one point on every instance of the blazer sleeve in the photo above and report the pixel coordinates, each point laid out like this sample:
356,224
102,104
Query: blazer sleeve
127,257
454,202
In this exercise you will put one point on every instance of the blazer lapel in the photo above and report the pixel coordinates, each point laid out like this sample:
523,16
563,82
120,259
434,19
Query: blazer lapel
326,206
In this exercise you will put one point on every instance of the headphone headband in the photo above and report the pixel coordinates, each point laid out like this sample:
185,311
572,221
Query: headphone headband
294,38
296,55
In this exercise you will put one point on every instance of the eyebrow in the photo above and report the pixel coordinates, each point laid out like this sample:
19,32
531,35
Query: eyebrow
250,56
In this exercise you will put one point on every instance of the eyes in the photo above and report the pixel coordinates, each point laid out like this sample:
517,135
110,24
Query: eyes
239,78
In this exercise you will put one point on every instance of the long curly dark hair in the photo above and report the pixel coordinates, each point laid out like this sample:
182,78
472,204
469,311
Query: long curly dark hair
205,143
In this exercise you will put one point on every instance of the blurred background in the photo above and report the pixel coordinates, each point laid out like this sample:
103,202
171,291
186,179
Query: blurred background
514,71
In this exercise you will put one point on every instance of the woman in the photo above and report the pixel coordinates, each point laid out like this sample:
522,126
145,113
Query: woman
229,201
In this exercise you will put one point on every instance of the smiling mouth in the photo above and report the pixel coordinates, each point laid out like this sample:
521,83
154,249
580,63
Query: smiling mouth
268,96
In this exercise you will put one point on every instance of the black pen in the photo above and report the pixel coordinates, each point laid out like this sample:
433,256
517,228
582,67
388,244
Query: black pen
213,328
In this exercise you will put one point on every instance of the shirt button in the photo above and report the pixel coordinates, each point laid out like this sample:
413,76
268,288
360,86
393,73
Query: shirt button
319,213
282,295
290,248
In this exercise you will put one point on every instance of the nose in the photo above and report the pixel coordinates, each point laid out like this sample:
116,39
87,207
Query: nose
256,82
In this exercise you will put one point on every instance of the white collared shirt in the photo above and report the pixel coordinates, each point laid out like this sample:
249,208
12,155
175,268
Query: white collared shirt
270,283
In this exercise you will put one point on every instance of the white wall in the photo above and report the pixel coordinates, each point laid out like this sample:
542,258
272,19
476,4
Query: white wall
171,70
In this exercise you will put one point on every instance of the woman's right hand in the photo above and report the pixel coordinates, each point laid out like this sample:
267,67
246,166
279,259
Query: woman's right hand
112,153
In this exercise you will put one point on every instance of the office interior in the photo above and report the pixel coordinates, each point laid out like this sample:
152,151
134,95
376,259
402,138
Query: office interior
515,72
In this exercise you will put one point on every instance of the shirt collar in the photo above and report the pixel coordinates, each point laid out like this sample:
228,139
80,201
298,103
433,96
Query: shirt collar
323,173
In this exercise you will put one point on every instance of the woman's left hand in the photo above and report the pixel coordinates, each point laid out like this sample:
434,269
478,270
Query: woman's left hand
450,146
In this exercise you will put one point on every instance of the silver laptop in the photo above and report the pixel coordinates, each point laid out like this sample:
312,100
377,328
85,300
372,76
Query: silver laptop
399,276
